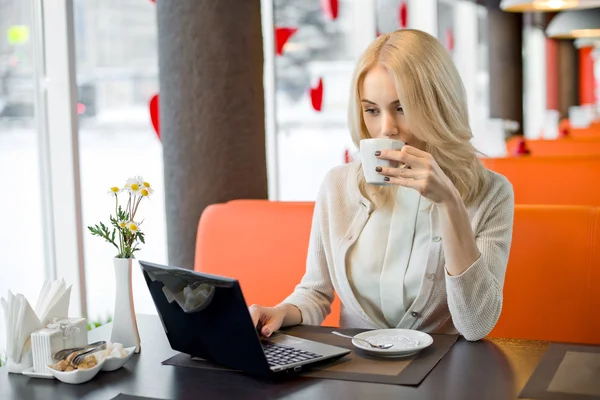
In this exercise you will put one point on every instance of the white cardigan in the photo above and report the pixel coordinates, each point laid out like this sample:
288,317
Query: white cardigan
469,304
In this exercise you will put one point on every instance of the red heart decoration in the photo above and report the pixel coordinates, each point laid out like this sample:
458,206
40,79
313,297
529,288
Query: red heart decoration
521,149
330,8
403,15
347,157
316,96
564,128
154,114
281,37
449,39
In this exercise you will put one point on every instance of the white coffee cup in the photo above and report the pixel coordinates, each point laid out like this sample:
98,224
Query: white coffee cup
369,161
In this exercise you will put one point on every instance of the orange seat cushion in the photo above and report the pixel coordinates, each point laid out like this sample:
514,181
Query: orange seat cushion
565,180
569,146
593,131
550,291
594,316
262,244
547,291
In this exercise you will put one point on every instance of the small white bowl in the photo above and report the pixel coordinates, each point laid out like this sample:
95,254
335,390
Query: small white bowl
79,375
114,363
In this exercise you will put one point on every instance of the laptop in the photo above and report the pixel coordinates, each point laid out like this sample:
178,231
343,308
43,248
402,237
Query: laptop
206,316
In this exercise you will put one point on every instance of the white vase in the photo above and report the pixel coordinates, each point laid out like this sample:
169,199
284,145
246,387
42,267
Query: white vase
124,329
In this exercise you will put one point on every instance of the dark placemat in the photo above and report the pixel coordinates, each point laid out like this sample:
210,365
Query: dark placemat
363,367
184,360
130,397
358,365
566,371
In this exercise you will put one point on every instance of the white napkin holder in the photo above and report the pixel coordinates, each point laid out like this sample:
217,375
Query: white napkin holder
26,362
21,321
61,334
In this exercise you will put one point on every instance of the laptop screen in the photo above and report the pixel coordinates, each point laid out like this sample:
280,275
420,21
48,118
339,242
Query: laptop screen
205,316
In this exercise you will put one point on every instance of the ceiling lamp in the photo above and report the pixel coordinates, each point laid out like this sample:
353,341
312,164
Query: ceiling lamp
587,42
546,5
575,24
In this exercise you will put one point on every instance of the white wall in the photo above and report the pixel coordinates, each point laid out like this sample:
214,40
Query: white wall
534,81
422,15
465,51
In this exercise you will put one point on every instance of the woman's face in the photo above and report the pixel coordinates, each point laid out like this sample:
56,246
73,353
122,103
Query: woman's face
382,111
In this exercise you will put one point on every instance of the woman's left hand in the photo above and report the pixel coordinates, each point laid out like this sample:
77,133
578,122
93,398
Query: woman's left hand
418,170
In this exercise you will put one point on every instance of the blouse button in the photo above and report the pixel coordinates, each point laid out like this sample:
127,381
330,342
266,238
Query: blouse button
437,239
414,314
430,276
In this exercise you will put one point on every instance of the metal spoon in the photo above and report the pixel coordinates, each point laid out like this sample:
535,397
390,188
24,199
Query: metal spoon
377,346
62,354
81,356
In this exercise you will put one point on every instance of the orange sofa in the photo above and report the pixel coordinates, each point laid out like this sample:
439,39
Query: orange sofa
263,244
551,180
569,146
550,291
551,283
593,131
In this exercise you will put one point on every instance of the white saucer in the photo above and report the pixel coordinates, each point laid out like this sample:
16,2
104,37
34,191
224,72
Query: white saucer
406,342
32,374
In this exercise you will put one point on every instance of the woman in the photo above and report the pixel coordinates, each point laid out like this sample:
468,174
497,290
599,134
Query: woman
428,252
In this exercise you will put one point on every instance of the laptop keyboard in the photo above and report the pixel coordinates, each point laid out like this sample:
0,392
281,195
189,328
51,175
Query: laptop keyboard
284,355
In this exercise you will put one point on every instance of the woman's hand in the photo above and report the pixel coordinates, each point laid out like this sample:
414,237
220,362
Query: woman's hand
267,319
418,170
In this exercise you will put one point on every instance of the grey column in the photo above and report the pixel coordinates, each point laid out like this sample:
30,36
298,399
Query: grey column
505,32
566,63
568,76
211,111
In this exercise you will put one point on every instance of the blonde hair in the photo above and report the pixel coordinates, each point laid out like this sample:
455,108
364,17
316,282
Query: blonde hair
433,98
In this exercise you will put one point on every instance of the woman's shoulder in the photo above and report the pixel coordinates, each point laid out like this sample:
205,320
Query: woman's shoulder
499,189
498,182
341,173
340,182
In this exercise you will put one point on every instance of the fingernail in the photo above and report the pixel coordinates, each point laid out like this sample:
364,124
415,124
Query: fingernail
377,153
387,178
267,332
378,169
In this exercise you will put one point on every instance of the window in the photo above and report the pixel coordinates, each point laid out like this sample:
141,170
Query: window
117,75
21,237
313,75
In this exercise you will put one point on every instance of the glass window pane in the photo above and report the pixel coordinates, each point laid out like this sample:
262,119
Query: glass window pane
117,75
483,71
313,74
21,236
445,18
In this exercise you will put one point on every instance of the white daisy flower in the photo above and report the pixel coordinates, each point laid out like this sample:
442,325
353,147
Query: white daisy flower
148,187
114,191
133,227
133,187
136,181
123,224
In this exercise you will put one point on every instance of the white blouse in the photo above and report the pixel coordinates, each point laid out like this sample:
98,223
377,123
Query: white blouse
387,263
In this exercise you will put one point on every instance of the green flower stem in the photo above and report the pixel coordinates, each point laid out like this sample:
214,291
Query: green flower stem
127,240
136,207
